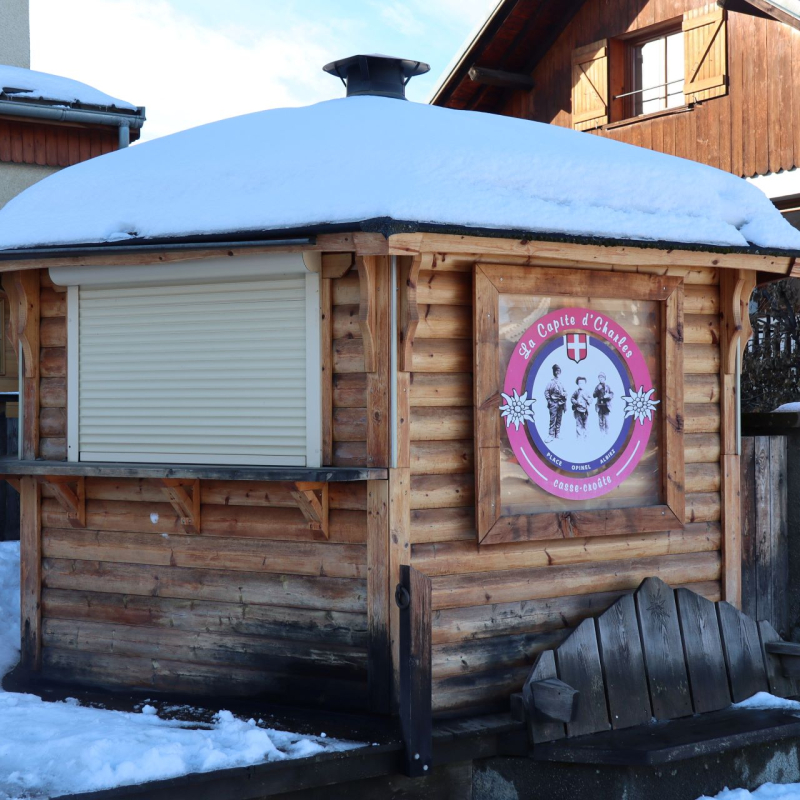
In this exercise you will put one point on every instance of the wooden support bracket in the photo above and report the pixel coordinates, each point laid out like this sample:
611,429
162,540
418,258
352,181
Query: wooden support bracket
409,310
367,311
336,265
72,500
187,505
12,480
312,500
736,286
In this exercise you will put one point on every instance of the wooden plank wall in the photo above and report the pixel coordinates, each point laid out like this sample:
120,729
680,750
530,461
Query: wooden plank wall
255,604
754,129
52,370
349,375
495,607
765,546
54,146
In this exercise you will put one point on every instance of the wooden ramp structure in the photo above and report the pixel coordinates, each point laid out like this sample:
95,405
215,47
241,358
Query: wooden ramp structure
652,680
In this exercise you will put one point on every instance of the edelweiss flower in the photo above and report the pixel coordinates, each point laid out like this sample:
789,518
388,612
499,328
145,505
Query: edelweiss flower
517,409
639,405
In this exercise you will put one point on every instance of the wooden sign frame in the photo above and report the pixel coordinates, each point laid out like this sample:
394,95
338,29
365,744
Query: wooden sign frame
492,280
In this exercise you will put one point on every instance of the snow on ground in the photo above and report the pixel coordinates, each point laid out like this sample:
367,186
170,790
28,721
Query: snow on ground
788,407
348,160
769,791
44,86
9,606
49,749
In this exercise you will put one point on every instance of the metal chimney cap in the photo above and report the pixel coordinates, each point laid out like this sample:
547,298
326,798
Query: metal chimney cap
382,76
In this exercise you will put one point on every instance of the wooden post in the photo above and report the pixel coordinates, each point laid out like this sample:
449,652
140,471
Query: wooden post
380,663
748,496
735,288
413,597
23,293
30,541
378,377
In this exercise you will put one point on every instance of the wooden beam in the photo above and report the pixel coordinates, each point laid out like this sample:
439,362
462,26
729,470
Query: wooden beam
770,10
336,265
501,78
408,308
378,596
326,358
12,480
413,597
30,538
550,253
23,292
312,500
186,505
399,557
735,288
378,380
367,318
72,501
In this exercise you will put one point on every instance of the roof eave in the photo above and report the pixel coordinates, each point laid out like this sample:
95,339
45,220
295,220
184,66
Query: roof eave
385,226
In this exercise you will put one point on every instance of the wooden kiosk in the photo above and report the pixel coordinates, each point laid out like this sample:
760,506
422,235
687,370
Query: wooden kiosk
519,429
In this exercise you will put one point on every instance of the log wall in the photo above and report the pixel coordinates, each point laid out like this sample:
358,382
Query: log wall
256,604
52,370
495,607
349,416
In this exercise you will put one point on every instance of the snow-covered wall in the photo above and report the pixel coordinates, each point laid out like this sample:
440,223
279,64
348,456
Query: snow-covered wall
15,33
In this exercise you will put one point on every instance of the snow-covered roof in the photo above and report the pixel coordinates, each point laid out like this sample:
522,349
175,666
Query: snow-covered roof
27,84
343,162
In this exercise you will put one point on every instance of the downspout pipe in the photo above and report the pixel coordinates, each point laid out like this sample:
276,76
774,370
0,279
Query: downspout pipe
12,108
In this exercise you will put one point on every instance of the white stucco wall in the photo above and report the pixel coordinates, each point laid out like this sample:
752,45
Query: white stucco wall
16,177
15,33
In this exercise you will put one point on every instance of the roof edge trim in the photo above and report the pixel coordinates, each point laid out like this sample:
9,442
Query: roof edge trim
386,226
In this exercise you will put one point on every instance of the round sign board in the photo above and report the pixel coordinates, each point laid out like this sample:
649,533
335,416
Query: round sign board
578,403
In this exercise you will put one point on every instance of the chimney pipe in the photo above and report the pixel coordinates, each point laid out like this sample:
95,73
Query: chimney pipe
381,76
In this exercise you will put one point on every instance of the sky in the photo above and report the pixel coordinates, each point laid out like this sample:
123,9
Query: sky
194,61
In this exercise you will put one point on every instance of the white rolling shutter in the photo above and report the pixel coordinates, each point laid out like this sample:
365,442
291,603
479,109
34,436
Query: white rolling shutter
205,373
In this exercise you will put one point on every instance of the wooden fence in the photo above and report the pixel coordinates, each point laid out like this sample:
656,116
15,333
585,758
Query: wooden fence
765,548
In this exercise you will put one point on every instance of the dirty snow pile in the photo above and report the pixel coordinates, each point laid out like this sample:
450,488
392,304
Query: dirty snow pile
769,791
31,85
786,407
49,749
363,158
9,606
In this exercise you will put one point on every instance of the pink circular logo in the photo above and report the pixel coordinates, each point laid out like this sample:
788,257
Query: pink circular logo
578,403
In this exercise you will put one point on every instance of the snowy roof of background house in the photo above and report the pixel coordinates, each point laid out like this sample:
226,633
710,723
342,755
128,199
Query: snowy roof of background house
347,161
17,83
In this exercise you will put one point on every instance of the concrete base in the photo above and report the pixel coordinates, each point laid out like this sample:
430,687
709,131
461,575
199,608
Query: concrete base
525,779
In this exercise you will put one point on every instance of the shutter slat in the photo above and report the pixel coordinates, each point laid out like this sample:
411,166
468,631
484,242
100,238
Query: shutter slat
590,82
208,373
705,53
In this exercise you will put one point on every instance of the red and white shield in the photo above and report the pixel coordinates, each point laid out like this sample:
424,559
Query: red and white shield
577,345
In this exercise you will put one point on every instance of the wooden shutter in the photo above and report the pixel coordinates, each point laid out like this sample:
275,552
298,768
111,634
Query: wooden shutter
590,86
205,373
705,53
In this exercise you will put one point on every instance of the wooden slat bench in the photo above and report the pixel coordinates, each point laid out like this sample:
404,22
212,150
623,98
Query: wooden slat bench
652,680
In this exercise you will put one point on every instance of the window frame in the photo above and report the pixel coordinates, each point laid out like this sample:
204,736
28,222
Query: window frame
638,42
313,356
490,281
